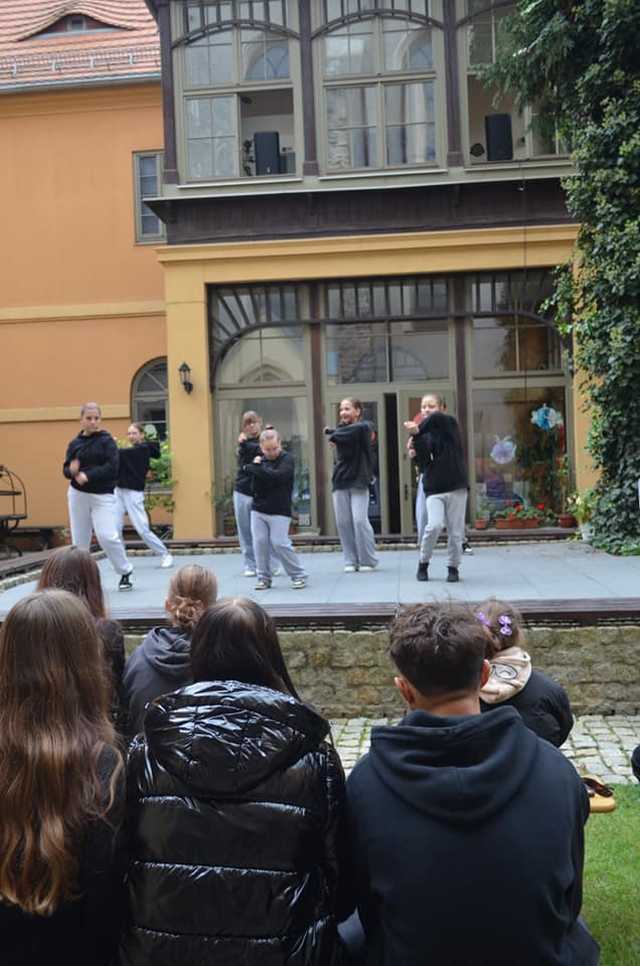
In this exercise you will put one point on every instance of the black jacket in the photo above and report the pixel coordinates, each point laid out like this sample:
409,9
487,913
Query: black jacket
273,484
98,455
84,931
439,454
543,705
468,843
236,805
160,664
134,464
353,468
246,453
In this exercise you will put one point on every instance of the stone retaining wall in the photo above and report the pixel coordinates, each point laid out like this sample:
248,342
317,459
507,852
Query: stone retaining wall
348,673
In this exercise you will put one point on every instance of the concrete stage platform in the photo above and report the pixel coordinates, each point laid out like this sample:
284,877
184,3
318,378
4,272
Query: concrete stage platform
565,581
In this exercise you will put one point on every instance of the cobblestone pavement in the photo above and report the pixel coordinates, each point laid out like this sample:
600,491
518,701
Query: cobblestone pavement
598,745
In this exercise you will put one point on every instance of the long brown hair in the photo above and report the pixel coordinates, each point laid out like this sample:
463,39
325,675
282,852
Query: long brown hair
54,728
191,591
75,570
236,640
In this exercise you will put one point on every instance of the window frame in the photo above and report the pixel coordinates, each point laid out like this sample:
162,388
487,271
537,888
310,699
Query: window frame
136,398
236,88
379,80
141,237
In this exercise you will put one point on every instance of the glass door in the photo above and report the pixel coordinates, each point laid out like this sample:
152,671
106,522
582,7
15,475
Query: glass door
373,411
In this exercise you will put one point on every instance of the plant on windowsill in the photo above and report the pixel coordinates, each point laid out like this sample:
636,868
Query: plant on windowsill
530,516
160,483
582,504
483,514
224,507
507,519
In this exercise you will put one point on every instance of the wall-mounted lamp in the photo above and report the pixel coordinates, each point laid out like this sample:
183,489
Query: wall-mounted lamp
185,377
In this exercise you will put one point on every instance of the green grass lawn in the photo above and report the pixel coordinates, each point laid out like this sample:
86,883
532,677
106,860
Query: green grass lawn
611,904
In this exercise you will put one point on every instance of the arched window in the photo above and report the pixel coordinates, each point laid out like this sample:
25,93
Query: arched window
149,395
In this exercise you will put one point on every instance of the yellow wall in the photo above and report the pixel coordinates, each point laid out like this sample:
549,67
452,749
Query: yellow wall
81,304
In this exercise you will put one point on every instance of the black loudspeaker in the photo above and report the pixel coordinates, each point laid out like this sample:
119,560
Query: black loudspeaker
499,137
266,150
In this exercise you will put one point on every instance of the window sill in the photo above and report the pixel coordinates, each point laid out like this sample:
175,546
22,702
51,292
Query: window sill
276,179
381,173
515,165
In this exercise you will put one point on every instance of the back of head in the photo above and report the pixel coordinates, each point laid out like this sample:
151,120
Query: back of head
502,624
439,648
54,725
191,590
75,570
236,640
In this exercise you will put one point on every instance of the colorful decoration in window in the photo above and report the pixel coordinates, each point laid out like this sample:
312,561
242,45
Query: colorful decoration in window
503,450
546,418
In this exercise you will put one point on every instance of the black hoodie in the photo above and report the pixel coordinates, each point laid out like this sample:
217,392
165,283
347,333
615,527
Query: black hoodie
354,458
439,454
134,464
468,845
160,664
99,461
247,450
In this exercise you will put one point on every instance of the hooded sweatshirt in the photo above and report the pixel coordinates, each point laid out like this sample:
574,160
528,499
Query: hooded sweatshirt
162,663
354,457
99,461
236,812
439,454
467,842
247,450
134,464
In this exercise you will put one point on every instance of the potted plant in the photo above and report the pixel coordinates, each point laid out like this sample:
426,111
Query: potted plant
483,514
581,504
159,490
530,517
224,505
508,519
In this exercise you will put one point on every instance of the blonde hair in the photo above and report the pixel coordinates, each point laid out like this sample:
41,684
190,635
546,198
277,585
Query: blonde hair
491,611
441,401
191,591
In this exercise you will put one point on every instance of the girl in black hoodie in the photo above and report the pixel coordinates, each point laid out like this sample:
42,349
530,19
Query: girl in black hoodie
438,447
162,662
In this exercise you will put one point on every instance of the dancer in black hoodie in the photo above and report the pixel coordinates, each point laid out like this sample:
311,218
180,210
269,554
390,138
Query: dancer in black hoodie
91,463
467,830
162,662
132,479
438,447
350,481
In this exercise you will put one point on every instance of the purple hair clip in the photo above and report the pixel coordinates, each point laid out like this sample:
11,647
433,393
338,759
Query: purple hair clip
482,617
505,625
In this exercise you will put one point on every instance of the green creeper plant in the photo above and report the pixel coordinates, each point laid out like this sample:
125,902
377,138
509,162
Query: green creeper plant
577,62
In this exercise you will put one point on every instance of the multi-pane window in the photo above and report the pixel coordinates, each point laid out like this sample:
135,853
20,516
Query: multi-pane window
147,180
236,80
485,30
373,119
149,396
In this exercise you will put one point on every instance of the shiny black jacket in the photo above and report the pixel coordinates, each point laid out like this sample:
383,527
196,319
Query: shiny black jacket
236,810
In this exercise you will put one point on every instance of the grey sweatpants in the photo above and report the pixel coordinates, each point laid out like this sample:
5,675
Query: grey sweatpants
421,511
242,508
97,512
449,509
270,533
354,527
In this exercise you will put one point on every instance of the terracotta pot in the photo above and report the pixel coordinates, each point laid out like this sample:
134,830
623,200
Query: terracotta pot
481,524
566,520
508,523
530,524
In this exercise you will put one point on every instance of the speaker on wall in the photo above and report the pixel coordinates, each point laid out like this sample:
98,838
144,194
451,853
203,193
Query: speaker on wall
499,137
266,151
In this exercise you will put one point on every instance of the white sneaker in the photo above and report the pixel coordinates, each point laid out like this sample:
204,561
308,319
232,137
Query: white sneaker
167,561
248,572
299,583
276,572
365,569
350,569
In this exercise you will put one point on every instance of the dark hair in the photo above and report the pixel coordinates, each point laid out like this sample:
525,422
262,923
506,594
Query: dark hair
138,426
492,610
75,570
439,648
54,728
192,589
355,403
236,640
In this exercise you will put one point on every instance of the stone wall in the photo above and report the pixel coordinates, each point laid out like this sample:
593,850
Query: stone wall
348,673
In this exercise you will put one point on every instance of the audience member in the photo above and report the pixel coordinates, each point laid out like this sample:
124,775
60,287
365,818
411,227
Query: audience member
542,703
61,788
466,828
237,805
75,570
162,662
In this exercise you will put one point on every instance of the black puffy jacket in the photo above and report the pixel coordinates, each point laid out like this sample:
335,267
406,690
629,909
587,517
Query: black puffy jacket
236,812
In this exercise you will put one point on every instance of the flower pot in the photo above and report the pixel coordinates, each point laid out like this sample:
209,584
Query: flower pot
481,524
509,523
566,520
586,532
529,524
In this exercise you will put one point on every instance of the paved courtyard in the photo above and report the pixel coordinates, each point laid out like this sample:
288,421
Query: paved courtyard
568,570
597,745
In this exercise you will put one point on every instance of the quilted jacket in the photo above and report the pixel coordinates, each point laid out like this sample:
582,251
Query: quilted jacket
236,805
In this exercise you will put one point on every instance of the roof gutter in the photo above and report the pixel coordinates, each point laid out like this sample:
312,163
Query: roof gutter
105,81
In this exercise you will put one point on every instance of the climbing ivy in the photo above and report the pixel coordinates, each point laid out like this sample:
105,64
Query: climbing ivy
578,62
